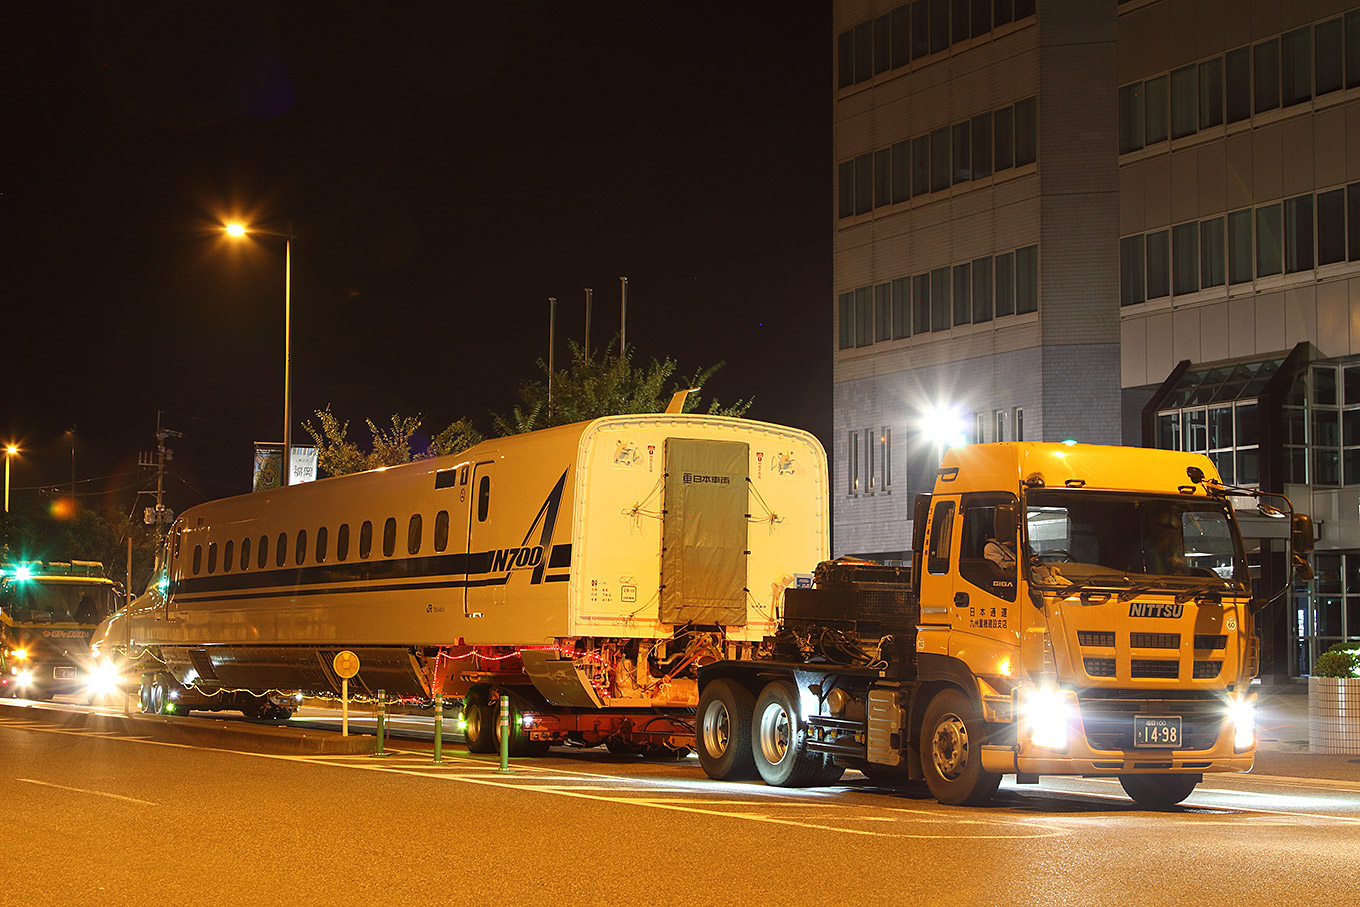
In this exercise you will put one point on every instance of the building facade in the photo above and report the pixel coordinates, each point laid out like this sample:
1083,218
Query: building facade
1133,222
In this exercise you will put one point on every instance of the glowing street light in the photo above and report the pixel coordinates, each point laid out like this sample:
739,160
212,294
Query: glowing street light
239,230
10,451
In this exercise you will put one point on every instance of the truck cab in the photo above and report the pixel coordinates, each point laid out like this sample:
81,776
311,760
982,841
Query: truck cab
1083,610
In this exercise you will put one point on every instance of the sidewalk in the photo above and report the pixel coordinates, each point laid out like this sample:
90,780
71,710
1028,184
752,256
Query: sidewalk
1282,738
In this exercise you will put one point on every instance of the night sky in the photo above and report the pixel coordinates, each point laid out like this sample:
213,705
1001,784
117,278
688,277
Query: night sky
446,167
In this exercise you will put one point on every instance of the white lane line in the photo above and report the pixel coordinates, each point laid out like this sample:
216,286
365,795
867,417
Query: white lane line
82,790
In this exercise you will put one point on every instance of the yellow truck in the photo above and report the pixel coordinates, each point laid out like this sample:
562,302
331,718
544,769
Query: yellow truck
1070,610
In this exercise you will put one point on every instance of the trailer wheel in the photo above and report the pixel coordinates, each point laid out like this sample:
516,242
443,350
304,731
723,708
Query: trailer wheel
722,733
1159,790
521,744
780,739
951,751
478,723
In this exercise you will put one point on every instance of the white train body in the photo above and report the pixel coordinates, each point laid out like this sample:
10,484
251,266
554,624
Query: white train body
570,557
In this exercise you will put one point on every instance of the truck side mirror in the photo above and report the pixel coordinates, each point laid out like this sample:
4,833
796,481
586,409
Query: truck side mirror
1301,533
1004,522
1303,571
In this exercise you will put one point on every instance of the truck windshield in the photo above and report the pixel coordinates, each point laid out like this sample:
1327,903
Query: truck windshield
35,601
1107,537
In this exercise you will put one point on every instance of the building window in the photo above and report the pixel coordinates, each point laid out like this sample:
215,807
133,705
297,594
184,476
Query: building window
883,312
901,172
1005,284
1239,246
1155,108
864,184
962,145
853,462
963,295
939,159
887,458
1026,132
921,303
1268,241
1019,424
1211,244
1184,102
1159,264
847,320
1331,227
1329,64
939,300
1211,93
1131,118
882,177
1296,68
845,191
1185,258
901,307
869,451
1265,58
864,316
1298,233
1026,280
979,428
1000,416
1237,74
920,165
982,146
882,45
1353,49
982,290
1003,139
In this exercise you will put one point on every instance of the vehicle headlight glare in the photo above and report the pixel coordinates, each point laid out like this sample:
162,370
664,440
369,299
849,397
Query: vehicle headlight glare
1242,712
1046,715
103,678
24,678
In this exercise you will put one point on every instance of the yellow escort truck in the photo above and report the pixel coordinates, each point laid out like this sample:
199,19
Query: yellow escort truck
1070,610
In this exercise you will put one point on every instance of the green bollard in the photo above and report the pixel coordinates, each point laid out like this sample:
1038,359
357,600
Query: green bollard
505,736
382,721
438,728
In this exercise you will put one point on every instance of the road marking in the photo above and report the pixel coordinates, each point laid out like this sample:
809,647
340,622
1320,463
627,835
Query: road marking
81,790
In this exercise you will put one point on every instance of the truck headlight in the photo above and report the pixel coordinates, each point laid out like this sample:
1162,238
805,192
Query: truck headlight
1242,714
1046,715
103,678
23,678
19,654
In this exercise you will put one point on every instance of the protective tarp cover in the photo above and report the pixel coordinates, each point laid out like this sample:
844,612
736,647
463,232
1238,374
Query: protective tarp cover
703,540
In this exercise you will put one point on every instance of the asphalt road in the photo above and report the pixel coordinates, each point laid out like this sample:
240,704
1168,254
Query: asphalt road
113,818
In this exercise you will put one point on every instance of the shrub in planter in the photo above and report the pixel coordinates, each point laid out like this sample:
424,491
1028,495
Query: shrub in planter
1334,701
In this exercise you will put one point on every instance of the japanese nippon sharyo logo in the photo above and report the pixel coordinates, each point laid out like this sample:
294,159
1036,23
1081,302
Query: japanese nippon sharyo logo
690,478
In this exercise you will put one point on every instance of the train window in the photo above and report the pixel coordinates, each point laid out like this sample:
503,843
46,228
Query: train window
300,552
281,550
413,532
390,536
483,498
212,557
321,545
245,552
262,560
198,559
228,554
441,530
342,542
366,539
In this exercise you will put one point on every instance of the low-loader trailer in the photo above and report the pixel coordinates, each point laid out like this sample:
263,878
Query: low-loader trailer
1070,610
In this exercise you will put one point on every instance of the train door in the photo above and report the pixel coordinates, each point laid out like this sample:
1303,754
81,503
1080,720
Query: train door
481,589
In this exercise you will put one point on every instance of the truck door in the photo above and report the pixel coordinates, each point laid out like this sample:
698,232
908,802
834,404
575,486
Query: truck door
481,588
984,592
937,580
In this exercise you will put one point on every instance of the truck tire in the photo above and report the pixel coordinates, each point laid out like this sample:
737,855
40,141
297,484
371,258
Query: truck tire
478,723
520,742
779,739
1159,790
722,731
951,751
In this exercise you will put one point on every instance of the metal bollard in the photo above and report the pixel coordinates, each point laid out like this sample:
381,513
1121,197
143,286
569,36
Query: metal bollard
382,721
505,736
438,728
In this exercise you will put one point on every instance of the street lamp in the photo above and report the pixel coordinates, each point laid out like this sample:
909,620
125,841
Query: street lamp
238,230
10,451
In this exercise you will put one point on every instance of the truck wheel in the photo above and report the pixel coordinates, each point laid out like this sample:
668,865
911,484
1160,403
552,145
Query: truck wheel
520,742
1159,790
780,739
478,723
951,751
722,733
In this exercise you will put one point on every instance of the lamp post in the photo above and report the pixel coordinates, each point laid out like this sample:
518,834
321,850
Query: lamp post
239,230
10,451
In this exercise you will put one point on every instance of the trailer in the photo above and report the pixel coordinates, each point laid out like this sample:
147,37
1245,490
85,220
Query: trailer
1118,643
584,572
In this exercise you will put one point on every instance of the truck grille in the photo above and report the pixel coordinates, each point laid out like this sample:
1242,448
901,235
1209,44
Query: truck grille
1155,640
1099,667
1207,670
1093,638
1203,641
1150,667
1108,717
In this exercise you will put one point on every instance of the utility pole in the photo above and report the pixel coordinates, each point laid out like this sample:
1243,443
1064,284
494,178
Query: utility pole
589,293
623,316
552,325
159,516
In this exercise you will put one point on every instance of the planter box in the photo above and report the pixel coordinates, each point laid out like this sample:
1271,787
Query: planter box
1334,715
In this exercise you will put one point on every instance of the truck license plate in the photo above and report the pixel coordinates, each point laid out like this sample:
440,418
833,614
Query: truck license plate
63,673
1160,731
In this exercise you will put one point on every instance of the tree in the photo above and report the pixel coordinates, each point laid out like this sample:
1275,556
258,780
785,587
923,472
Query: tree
337,455
602,383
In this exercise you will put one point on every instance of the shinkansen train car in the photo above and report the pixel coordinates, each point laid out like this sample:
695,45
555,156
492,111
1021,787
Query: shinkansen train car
585,572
